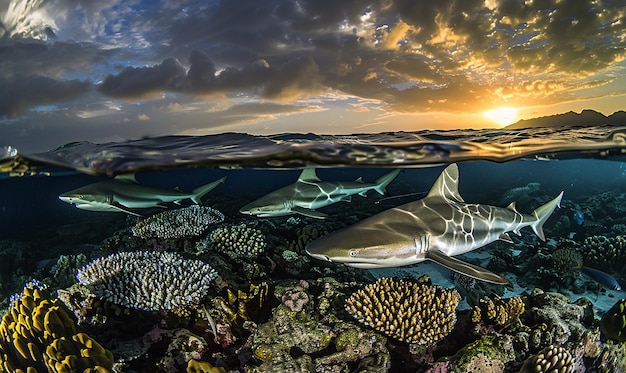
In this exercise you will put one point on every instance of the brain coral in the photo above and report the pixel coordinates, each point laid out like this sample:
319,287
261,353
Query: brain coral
414,312
39,335
552,359
190,221
148,280
238,241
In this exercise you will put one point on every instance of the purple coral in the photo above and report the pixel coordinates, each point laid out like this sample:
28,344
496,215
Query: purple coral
295,299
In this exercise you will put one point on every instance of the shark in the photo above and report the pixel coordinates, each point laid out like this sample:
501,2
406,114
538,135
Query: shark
123,194
436,227
309,193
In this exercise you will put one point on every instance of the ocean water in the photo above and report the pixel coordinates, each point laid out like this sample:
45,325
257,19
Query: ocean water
282,327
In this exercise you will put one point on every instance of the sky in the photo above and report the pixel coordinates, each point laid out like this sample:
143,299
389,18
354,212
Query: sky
113,70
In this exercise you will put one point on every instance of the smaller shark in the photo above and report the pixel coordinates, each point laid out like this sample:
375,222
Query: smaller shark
123,193
309,193
436,228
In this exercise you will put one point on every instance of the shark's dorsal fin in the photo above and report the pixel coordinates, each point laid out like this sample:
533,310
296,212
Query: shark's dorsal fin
511,206
308,174
128,178
359,179
447,185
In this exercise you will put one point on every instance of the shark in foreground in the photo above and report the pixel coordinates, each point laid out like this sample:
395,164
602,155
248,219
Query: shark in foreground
435,228
123,193
309,193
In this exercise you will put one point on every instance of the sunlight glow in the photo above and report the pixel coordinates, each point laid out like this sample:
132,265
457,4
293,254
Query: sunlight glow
502,116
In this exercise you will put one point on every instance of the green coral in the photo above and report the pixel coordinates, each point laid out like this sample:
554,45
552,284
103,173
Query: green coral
38,335
238,241
494,348
613,323
605,252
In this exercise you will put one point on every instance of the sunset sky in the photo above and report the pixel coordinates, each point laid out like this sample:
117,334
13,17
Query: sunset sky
111,70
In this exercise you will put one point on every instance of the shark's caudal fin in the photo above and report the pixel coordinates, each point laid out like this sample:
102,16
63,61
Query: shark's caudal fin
383,181
199,192
542,213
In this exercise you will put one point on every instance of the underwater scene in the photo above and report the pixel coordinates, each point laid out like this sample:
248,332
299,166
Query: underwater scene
437,251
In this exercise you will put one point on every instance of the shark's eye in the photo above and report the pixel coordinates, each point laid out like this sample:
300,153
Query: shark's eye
352,252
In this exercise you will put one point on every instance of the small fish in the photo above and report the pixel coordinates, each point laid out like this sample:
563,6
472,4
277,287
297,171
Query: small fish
601,278
579,217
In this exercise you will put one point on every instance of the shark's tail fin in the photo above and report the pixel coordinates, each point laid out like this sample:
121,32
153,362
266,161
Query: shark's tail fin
199,192
542,213
383,181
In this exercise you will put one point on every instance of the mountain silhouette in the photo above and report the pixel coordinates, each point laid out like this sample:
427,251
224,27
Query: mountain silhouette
572,119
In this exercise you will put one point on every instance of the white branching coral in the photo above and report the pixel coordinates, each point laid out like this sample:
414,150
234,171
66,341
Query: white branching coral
238,241
148,280
189,221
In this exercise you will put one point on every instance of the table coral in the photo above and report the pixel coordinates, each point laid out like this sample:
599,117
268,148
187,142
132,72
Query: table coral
38,335
414,312
148,280
189,221
238,241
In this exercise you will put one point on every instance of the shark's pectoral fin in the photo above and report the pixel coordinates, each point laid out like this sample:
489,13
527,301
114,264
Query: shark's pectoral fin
363,193
308,212
346,199
505,237
465,268
126,210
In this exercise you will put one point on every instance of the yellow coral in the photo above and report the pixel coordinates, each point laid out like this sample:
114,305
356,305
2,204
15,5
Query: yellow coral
498,311
38,335
198,366
414,312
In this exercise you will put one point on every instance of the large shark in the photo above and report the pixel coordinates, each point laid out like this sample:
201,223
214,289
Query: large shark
309,193
435,228
123,193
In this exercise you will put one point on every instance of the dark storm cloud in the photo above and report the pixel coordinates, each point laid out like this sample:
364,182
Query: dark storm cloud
22,92
139,81
287,81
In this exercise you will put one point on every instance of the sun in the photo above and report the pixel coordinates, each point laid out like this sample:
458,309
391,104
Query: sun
502,116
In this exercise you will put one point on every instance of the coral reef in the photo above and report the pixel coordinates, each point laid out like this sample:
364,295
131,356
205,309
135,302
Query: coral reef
613,323
605,252
198,366
238,241
148,280
189,221
567,261
498,311
415,312
38,335
552,359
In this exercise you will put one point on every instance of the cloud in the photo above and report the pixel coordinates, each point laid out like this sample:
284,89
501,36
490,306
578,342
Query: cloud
453,55
141,81
143,117
21,92
288,81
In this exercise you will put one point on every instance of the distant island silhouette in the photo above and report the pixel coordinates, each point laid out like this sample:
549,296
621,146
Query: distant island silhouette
573,119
